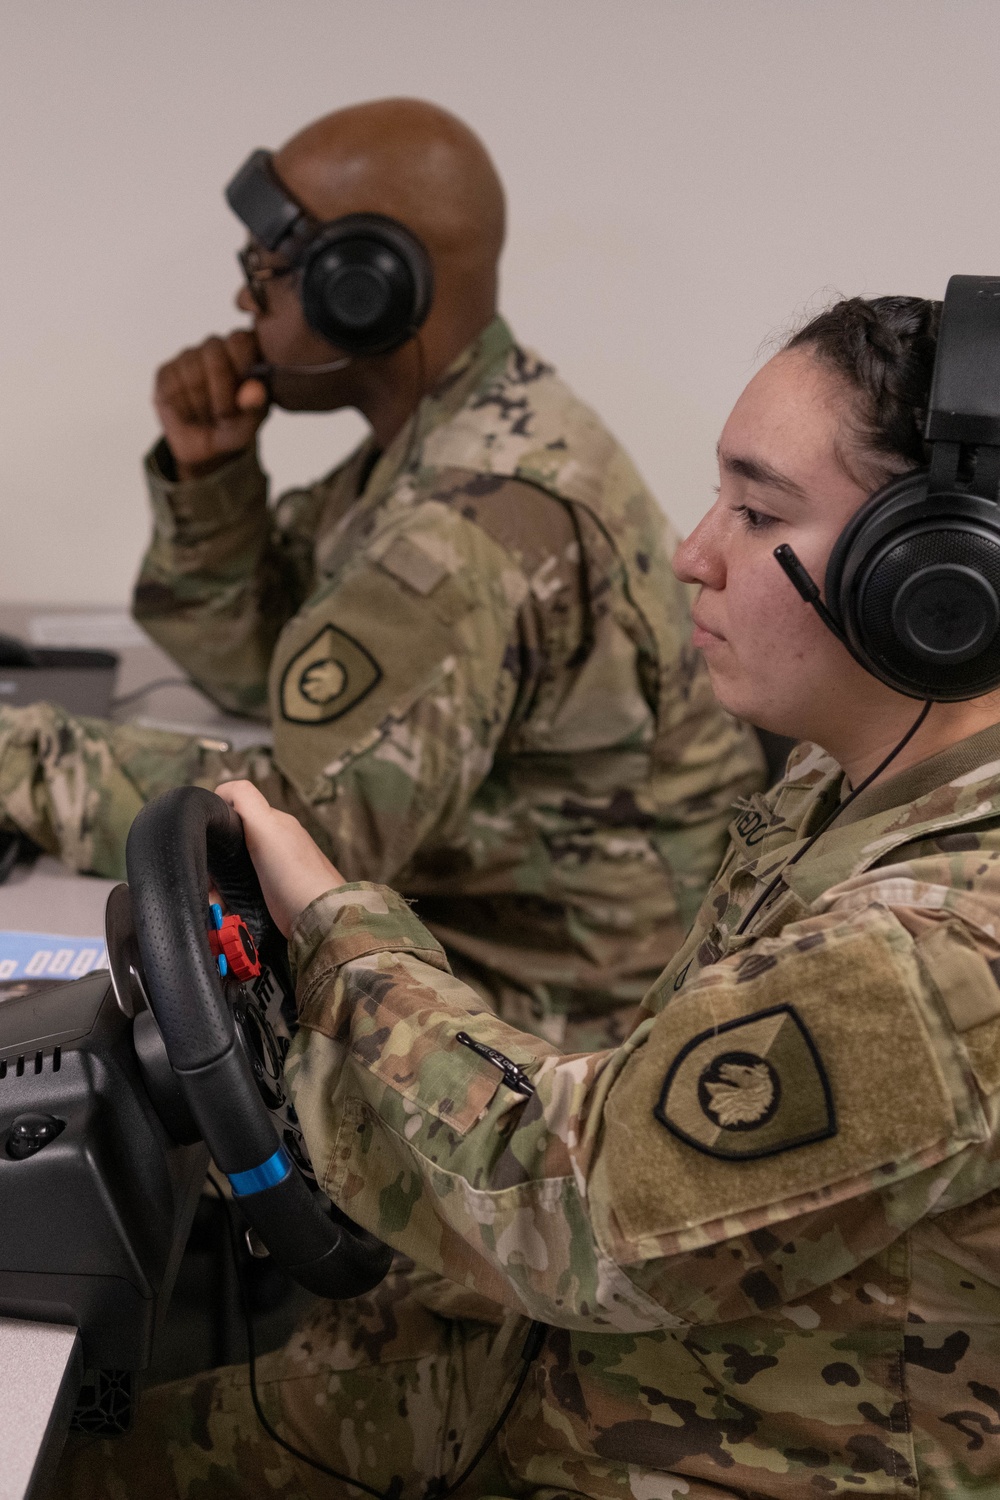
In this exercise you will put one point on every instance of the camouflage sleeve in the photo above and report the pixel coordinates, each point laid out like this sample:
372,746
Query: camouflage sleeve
369,786
394,689
776,1125
404,758
73,785
220,578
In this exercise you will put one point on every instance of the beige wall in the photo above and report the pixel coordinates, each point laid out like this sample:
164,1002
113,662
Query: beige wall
684,177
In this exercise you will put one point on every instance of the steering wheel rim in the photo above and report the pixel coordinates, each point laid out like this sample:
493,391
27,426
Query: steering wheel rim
174,842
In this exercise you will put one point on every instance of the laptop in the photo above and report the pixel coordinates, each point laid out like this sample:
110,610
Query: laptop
80,681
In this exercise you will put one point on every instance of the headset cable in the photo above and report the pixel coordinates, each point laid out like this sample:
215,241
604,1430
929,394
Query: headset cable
438,1488
840,808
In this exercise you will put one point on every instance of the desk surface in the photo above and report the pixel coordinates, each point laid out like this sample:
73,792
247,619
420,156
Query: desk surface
158,695
47,897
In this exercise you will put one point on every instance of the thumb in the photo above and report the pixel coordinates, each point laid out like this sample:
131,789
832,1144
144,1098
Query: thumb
252,395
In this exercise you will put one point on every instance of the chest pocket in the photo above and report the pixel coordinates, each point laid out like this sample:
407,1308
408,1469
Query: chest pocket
354,662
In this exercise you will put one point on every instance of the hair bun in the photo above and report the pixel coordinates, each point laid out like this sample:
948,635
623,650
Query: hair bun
884,347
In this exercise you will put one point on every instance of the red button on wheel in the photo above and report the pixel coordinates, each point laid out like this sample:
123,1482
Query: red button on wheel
234,942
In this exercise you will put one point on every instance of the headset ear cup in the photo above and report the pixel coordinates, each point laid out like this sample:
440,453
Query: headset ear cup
851,547
366,284
914,579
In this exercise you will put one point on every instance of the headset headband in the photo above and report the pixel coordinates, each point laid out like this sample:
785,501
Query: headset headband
964,402
365,281
260,199
913,581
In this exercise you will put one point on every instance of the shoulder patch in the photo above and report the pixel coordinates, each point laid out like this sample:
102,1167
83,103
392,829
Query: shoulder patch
678,1155
330,674
750,1088
354,661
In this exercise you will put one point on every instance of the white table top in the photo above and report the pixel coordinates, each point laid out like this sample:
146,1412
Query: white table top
39,1379
46,897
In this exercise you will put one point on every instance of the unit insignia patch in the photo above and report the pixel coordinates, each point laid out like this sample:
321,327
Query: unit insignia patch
326,678
750,1088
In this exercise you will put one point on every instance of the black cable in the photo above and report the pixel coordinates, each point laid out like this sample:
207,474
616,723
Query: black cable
530,1352
412,440
11,848
150,687
276,1437
532,1348
841,807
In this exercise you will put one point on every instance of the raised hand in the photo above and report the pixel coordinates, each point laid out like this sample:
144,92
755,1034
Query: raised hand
209,408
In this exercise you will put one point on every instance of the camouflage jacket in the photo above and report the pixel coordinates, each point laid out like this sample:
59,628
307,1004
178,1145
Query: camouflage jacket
475,660
765,1230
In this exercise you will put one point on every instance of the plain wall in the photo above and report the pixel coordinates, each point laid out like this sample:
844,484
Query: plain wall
684,177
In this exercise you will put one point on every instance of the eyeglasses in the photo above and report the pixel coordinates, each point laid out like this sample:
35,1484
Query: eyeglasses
257,274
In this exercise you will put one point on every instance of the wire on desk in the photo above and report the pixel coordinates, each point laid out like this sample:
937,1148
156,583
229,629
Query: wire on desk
150,687
11,849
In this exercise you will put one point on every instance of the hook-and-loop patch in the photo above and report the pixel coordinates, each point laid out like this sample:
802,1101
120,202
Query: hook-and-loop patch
822,1068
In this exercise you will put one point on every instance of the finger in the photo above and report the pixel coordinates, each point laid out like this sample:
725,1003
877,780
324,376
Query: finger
244,352
172,387
271,832
194,380
243,349
191,375
243,796
220,378
169,395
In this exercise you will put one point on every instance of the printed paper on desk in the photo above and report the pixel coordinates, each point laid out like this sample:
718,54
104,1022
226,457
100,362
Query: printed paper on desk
49,956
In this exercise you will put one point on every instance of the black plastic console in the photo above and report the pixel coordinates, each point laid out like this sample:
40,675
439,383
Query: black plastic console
96,1199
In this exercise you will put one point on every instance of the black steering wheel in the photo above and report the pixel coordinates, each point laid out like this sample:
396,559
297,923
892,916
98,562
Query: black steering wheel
176,841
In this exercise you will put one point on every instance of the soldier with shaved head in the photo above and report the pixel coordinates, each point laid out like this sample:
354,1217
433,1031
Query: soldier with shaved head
466,638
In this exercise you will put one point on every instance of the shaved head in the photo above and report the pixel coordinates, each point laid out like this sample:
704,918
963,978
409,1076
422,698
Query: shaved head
416,163
413,162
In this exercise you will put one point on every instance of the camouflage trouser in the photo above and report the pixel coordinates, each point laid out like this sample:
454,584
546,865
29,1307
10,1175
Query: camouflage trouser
381,1388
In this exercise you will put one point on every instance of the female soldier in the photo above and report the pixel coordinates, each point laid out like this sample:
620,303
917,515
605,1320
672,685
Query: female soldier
763,1235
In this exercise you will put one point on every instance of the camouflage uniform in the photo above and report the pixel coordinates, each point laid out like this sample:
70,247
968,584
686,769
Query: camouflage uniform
475,659
765,1231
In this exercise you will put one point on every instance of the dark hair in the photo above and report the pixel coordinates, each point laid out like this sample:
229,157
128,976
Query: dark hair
884,347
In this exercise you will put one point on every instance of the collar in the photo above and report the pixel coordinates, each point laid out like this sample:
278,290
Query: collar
470,372
960,786
969,762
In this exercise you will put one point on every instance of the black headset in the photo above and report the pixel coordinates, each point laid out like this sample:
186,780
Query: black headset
365,280
913,582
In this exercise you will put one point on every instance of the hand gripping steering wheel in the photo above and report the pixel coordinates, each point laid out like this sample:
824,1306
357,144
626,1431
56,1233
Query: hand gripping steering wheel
175,842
